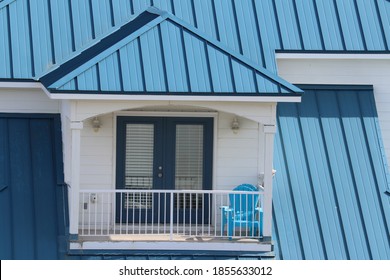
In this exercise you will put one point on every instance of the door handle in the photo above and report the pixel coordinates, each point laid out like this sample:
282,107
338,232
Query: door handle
2,188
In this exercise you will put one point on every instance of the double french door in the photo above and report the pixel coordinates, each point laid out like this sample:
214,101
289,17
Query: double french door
163,153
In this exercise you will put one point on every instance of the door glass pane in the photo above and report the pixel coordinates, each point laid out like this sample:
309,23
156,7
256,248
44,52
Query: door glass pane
139,164
189,164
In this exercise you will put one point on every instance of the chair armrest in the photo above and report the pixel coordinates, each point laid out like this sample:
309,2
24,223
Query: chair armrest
225,208
259,209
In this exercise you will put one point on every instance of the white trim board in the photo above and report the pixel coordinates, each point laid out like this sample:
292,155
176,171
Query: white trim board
318,56
166,114
151,97
20,85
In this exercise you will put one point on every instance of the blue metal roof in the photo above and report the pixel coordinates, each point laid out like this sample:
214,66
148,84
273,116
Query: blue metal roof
158,53
38,34
329,192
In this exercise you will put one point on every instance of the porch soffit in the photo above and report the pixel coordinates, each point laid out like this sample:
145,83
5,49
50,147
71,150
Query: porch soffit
263,113
159,54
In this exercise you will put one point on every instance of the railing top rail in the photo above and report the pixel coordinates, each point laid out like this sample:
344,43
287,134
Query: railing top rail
173,191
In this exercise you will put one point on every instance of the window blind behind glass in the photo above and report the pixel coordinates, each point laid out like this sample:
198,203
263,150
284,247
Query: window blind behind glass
189,157
139,164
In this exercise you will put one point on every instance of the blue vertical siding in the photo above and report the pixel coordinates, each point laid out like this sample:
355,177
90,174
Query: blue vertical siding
6,243
23,218
330,189
43,182
33,203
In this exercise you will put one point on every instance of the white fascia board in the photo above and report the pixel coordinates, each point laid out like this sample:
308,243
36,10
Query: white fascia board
176,98
355,56
25,85
20,85
149,97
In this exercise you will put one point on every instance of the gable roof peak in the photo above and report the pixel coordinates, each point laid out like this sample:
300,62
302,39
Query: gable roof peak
178,48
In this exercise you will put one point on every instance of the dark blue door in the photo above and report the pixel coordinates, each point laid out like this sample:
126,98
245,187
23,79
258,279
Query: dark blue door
31,187
164,154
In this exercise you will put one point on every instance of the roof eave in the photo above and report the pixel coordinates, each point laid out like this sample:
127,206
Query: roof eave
176,96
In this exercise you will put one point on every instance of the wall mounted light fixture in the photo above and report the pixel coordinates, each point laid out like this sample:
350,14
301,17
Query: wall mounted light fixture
96,124
235,125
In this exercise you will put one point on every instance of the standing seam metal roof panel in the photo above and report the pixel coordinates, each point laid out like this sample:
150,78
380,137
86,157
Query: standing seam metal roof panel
41,29
5,70
371,24
309,25
331,180
161,64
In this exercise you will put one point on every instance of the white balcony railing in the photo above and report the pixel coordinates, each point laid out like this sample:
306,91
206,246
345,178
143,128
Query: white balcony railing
171,214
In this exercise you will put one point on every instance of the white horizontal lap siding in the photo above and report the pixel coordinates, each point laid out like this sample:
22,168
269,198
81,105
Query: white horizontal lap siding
96,155
27,101
358,71
237,154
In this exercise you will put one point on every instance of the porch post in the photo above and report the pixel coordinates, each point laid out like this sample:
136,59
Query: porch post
269,134
76,127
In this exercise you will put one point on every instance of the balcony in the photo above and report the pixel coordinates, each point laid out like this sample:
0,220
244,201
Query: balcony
168,220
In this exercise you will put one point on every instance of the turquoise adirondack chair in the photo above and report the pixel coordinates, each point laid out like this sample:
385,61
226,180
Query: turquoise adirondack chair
243,213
